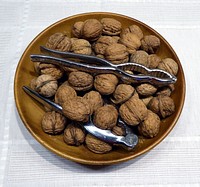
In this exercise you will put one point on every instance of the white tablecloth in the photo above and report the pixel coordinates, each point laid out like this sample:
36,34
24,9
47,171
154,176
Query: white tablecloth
174,162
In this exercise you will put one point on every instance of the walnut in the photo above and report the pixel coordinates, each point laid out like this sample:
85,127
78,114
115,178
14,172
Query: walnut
134,29
102,43
76,29
105,117
105,83
96,145
46,85
146,89
64,93
150,44
33,83
91,29
81,46
162,105
59,41
166,90
140,57
94,99
122,93
169,65
146,100
153,61
77,109
133,111
150,126
116,53
111,26
80,81
48,69
118,130
74,135
131,41
53,122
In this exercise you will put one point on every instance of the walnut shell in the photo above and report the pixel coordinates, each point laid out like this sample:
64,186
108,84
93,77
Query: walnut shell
169,65
81,46
153,61
118,130
46,85
94,99
91,29
102,43
131,41
166,90
133,111
76,29
150,44
59,41
33,83
76,109
140,57
116,53
105,83
97,146
53,122
80,81
64,93
105,117
150,126
146,100
162,105
146,89
111,26
122,93
135,30
74,135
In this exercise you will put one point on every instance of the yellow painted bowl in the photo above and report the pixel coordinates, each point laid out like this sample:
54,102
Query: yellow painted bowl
31,112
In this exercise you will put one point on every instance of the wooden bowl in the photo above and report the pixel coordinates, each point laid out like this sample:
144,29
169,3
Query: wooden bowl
31,111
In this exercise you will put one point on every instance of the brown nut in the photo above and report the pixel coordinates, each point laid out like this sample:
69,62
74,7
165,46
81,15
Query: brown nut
59,41
76,29
94,99
111,26
169,65
146,89
150,126
80,81
166,90
91,29
74,135
105,117
122,93
102,43
116,53
140,57
153,61
53,122
64,93
33,83
48,69
162,105
131,41
150,44
81,46
133,111
105,83
97,146
118,130
76,109
46,85
135,30
146,100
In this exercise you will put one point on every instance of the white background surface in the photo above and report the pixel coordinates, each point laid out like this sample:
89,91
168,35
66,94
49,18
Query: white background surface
174,162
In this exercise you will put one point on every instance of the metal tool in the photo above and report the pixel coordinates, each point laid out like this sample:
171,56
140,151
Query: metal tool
129,141
97,65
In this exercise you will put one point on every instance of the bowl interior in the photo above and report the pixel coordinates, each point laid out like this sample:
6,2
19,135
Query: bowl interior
31,112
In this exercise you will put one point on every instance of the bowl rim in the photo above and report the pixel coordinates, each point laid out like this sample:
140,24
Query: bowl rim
91,162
